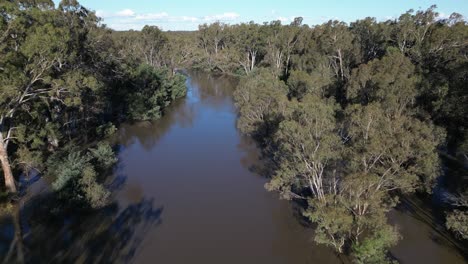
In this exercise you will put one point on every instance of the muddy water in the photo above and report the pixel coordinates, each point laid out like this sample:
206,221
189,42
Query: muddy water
197,167
185,192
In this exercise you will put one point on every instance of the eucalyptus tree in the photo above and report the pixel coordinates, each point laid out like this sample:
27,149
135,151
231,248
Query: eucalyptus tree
280,44
457,220
261,100
372,38
151,44
250,45
301,83
412,29
32,50
392,81
308,147
338,43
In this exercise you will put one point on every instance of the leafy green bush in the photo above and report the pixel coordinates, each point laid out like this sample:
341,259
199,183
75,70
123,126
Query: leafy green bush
106,130
152,90
76,174
104,156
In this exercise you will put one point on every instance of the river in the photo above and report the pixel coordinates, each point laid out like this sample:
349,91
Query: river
186,191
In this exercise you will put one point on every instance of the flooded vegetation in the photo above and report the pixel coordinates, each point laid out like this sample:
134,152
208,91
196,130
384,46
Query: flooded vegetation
186,187
275,142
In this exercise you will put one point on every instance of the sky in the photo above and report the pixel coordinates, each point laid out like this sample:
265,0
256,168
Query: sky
187,15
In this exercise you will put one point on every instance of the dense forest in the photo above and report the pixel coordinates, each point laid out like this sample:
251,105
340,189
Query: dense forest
352,116
66,83
349,117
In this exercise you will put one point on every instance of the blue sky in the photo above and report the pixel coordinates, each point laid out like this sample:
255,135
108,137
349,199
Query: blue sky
187,15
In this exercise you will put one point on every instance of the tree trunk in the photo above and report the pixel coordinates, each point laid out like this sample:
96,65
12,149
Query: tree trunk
341,64
8,175
253,55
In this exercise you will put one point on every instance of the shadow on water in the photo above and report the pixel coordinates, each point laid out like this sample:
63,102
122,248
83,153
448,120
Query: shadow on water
428,221
41,229
53,235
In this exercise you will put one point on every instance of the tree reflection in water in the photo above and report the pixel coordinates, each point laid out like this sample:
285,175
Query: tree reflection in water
108,235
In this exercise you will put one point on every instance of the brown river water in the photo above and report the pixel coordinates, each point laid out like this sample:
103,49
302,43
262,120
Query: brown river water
185,192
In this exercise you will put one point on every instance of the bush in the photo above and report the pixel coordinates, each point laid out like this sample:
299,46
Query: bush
104,156
76,175
106,130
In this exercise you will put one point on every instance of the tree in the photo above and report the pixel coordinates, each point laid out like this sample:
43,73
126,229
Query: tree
390,81
399,152
29,56
261,100
301,83
250,44
308,147
372,38
280,44
373,249
151,45
337,42
457,220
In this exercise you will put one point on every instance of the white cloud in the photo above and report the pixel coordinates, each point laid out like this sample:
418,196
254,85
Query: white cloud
152,16
125,13
101,13
443,15
128,19
224,16
283,19
189,18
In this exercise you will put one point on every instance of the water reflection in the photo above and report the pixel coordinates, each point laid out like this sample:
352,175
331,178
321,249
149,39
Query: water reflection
148,133
110,235
216,208
205,179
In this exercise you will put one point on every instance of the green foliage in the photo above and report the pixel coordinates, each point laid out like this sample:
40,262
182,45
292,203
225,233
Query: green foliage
261,99
348,114
96,195
104,156
300,83
400,151
390,81
106,130
358,124
76,178
67,169
333,223
457,221
307,145
65,78
29,160
373,249
152,90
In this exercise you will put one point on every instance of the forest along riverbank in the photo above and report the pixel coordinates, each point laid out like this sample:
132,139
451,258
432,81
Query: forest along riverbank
195,165
185,189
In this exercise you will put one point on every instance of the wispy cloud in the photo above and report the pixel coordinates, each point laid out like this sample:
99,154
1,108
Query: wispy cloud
285,19
125,13
222,17
152,16
128,19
